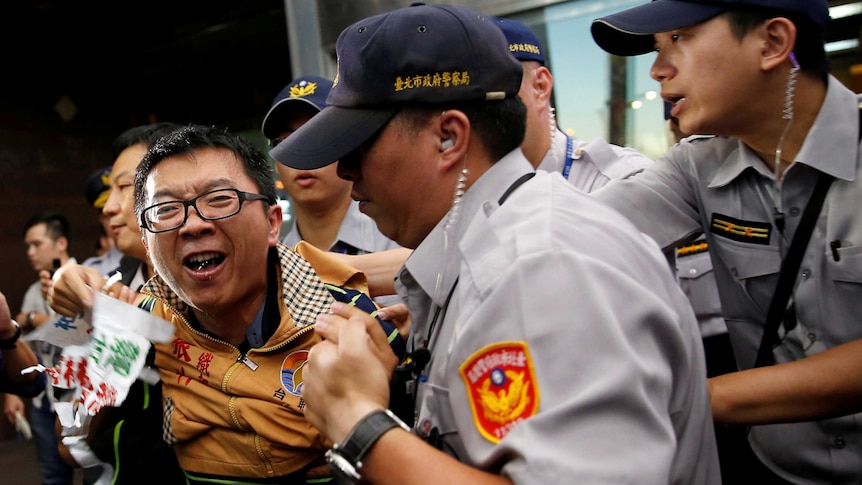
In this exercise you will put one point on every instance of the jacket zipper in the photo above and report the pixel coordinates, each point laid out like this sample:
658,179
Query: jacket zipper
241,358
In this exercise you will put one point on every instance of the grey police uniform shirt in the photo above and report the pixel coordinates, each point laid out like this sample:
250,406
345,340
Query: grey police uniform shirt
720,187
597,163
357,234
105,263
697,280
567,353
594,163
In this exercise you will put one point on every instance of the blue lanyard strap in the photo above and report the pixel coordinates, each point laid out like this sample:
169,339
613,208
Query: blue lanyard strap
569,157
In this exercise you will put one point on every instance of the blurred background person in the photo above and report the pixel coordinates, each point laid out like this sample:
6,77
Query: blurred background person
107,255
47,238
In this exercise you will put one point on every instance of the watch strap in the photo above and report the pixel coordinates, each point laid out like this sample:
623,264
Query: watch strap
11,342
365,433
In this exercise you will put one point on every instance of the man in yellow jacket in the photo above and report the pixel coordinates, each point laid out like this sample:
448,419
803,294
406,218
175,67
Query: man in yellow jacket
242,304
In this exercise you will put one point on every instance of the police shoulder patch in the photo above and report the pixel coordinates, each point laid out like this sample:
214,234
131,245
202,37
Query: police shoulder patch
501,387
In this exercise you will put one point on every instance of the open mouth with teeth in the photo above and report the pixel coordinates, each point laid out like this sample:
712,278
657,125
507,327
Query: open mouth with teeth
203,261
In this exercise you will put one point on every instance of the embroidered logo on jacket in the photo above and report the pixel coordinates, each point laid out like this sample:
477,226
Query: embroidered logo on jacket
501,387
739,230
291,372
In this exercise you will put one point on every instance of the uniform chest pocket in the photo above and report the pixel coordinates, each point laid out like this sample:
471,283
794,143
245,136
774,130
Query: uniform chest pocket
754,268
746,261
845,264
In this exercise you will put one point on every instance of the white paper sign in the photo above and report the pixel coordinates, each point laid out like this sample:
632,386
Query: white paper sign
62,331
103,370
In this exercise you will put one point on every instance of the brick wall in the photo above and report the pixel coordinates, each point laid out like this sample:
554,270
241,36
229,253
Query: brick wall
43,167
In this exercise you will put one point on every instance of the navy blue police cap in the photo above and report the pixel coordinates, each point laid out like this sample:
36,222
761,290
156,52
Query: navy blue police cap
98,187
308,91
523,42
421,54
630,32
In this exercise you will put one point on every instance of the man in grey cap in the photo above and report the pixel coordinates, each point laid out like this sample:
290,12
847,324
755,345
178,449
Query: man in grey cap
550,344
755,73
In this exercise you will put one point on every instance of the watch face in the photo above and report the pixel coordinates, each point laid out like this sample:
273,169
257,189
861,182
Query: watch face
345,473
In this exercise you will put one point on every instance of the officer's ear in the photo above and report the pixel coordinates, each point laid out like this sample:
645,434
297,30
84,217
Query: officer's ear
453,130
776,37
543,83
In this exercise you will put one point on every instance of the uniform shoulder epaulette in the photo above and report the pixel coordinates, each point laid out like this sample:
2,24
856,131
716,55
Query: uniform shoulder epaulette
691,249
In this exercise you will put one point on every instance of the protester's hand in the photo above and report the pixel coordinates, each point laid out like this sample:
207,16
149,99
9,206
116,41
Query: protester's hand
399,316
46,282
335,393
74,289
378,340
123,293
13,405
7,330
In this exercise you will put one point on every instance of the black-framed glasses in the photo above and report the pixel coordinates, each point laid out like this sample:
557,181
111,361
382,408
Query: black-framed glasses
211,206
273,142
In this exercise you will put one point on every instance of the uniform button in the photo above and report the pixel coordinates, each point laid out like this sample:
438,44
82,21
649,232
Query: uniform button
806,273
794,211
734,272
692,271
812,337
839,442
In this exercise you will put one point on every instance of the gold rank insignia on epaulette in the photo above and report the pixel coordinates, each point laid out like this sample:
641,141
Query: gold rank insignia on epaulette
752,232
693,248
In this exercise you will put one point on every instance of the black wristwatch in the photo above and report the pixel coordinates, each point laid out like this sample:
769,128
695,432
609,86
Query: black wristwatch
10,342
345,460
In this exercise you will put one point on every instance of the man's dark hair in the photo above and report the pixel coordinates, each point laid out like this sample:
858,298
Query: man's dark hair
500,125
192,138
143,134
56,225
809,49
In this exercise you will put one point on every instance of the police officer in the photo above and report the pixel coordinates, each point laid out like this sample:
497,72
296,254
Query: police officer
587,165
755,73
324,214
561,349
